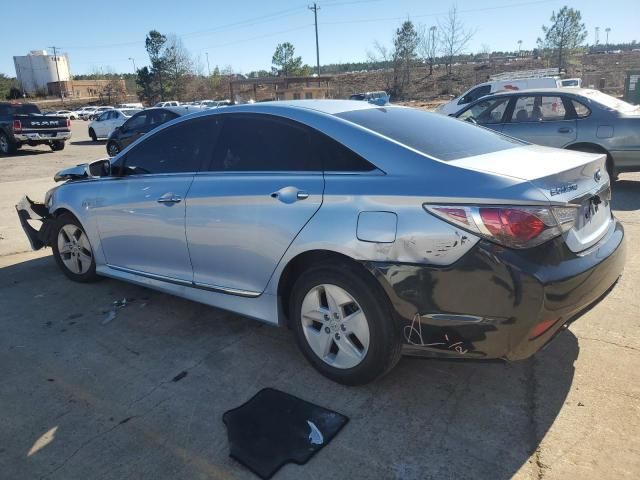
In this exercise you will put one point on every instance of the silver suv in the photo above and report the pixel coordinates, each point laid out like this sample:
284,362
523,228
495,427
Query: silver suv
368,231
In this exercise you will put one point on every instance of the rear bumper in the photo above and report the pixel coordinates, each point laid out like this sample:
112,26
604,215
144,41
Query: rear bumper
42,137
487,304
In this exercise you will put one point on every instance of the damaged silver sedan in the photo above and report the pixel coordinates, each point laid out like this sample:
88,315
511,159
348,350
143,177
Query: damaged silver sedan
368,231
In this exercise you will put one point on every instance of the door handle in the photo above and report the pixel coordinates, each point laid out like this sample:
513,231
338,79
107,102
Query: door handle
289,195
565,130
169,198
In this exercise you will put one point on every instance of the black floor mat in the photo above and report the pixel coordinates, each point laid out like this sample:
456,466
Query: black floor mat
274,428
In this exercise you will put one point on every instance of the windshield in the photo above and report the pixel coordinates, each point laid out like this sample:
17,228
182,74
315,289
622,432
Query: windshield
611,102
435,135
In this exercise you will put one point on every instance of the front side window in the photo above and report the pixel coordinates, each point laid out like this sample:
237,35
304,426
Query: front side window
103,116
539,109
136,122
158,117
486,112
178,149
263,143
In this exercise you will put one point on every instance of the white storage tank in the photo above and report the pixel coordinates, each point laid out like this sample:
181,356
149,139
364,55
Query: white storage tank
35,70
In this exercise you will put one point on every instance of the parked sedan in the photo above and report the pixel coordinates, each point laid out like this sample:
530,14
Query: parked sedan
368,231
108,121
139,124
573,118
65,113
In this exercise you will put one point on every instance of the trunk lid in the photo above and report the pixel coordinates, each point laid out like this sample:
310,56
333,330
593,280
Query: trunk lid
565,177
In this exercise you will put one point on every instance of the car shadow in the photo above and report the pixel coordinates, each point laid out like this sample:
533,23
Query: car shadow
626,195
424,419
88,142
22,152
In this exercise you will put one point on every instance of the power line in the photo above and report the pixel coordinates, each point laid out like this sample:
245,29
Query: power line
470,10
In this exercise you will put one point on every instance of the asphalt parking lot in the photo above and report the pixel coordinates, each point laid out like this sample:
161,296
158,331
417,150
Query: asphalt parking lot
141,395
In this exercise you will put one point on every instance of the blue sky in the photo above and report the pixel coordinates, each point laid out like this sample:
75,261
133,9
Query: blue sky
244,33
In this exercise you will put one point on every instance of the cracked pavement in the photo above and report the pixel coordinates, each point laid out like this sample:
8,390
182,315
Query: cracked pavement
143,395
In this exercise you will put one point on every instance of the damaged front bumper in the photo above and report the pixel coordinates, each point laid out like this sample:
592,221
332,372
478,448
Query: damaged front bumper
29,210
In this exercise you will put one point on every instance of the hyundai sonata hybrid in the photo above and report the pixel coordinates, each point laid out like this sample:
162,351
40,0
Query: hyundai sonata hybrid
368,231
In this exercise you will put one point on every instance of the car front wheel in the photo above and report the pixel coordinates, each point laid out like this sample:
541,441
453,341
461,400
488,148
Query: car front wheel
343,323
72,250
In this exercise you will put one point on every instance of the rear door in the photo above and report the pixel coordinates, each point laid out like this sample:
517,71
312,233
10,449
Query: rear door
542,119
264,184
141,213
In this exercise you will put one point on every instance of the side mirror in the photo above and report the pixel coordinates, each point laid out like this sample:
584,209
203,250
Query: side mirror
99,168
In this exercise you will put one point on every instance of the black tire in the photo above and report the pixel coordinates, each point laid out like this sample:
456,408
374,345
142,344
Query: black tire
7,146
112,148
385,343
57,145
85,277
93,135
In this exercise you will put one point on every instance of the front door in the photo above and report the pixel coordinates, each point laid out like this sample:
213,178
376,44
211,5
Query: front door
141,212
543,120
264,184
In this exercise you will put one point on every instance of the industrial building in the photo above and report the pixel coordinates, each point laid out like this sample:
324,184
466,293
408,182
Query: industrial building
37,69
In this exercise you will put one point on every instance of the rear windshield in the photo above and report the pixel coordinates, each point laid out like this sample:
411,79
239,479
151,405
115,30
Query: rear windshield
433,134
19,109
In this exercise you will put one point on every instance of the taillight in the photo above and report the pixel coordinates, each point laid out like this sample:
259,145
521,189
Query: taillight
17,126
511,226
68,123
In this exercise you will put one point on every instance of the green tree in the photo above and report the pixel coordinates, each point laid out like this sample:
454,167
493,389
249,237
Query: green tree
145,85
285,61
566,33
154,44
7,85
405,45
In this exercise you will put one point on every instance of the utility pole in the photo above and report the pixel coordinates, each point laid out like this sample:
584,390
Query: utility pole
315,9
55,58
208,68
134,64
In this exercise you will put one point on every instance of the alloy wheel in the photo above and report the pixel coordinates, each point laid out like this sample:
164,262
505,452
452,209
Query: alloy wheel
112,149
74,249
335,326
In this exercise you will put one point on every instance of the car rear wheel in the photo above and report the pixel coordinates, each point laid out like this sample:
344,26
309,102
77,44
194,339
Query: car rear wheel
113,149
7,147
343,324
72,250
93,135
57,145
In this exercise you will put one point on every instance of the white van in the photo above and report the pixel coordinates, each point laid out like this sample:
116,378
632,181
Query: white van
493,86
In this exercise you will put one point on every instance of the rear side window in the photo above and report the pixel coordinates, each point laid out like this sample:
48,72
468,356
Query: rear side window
582,111
539,109
335,157
435,135
263,143
180,148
